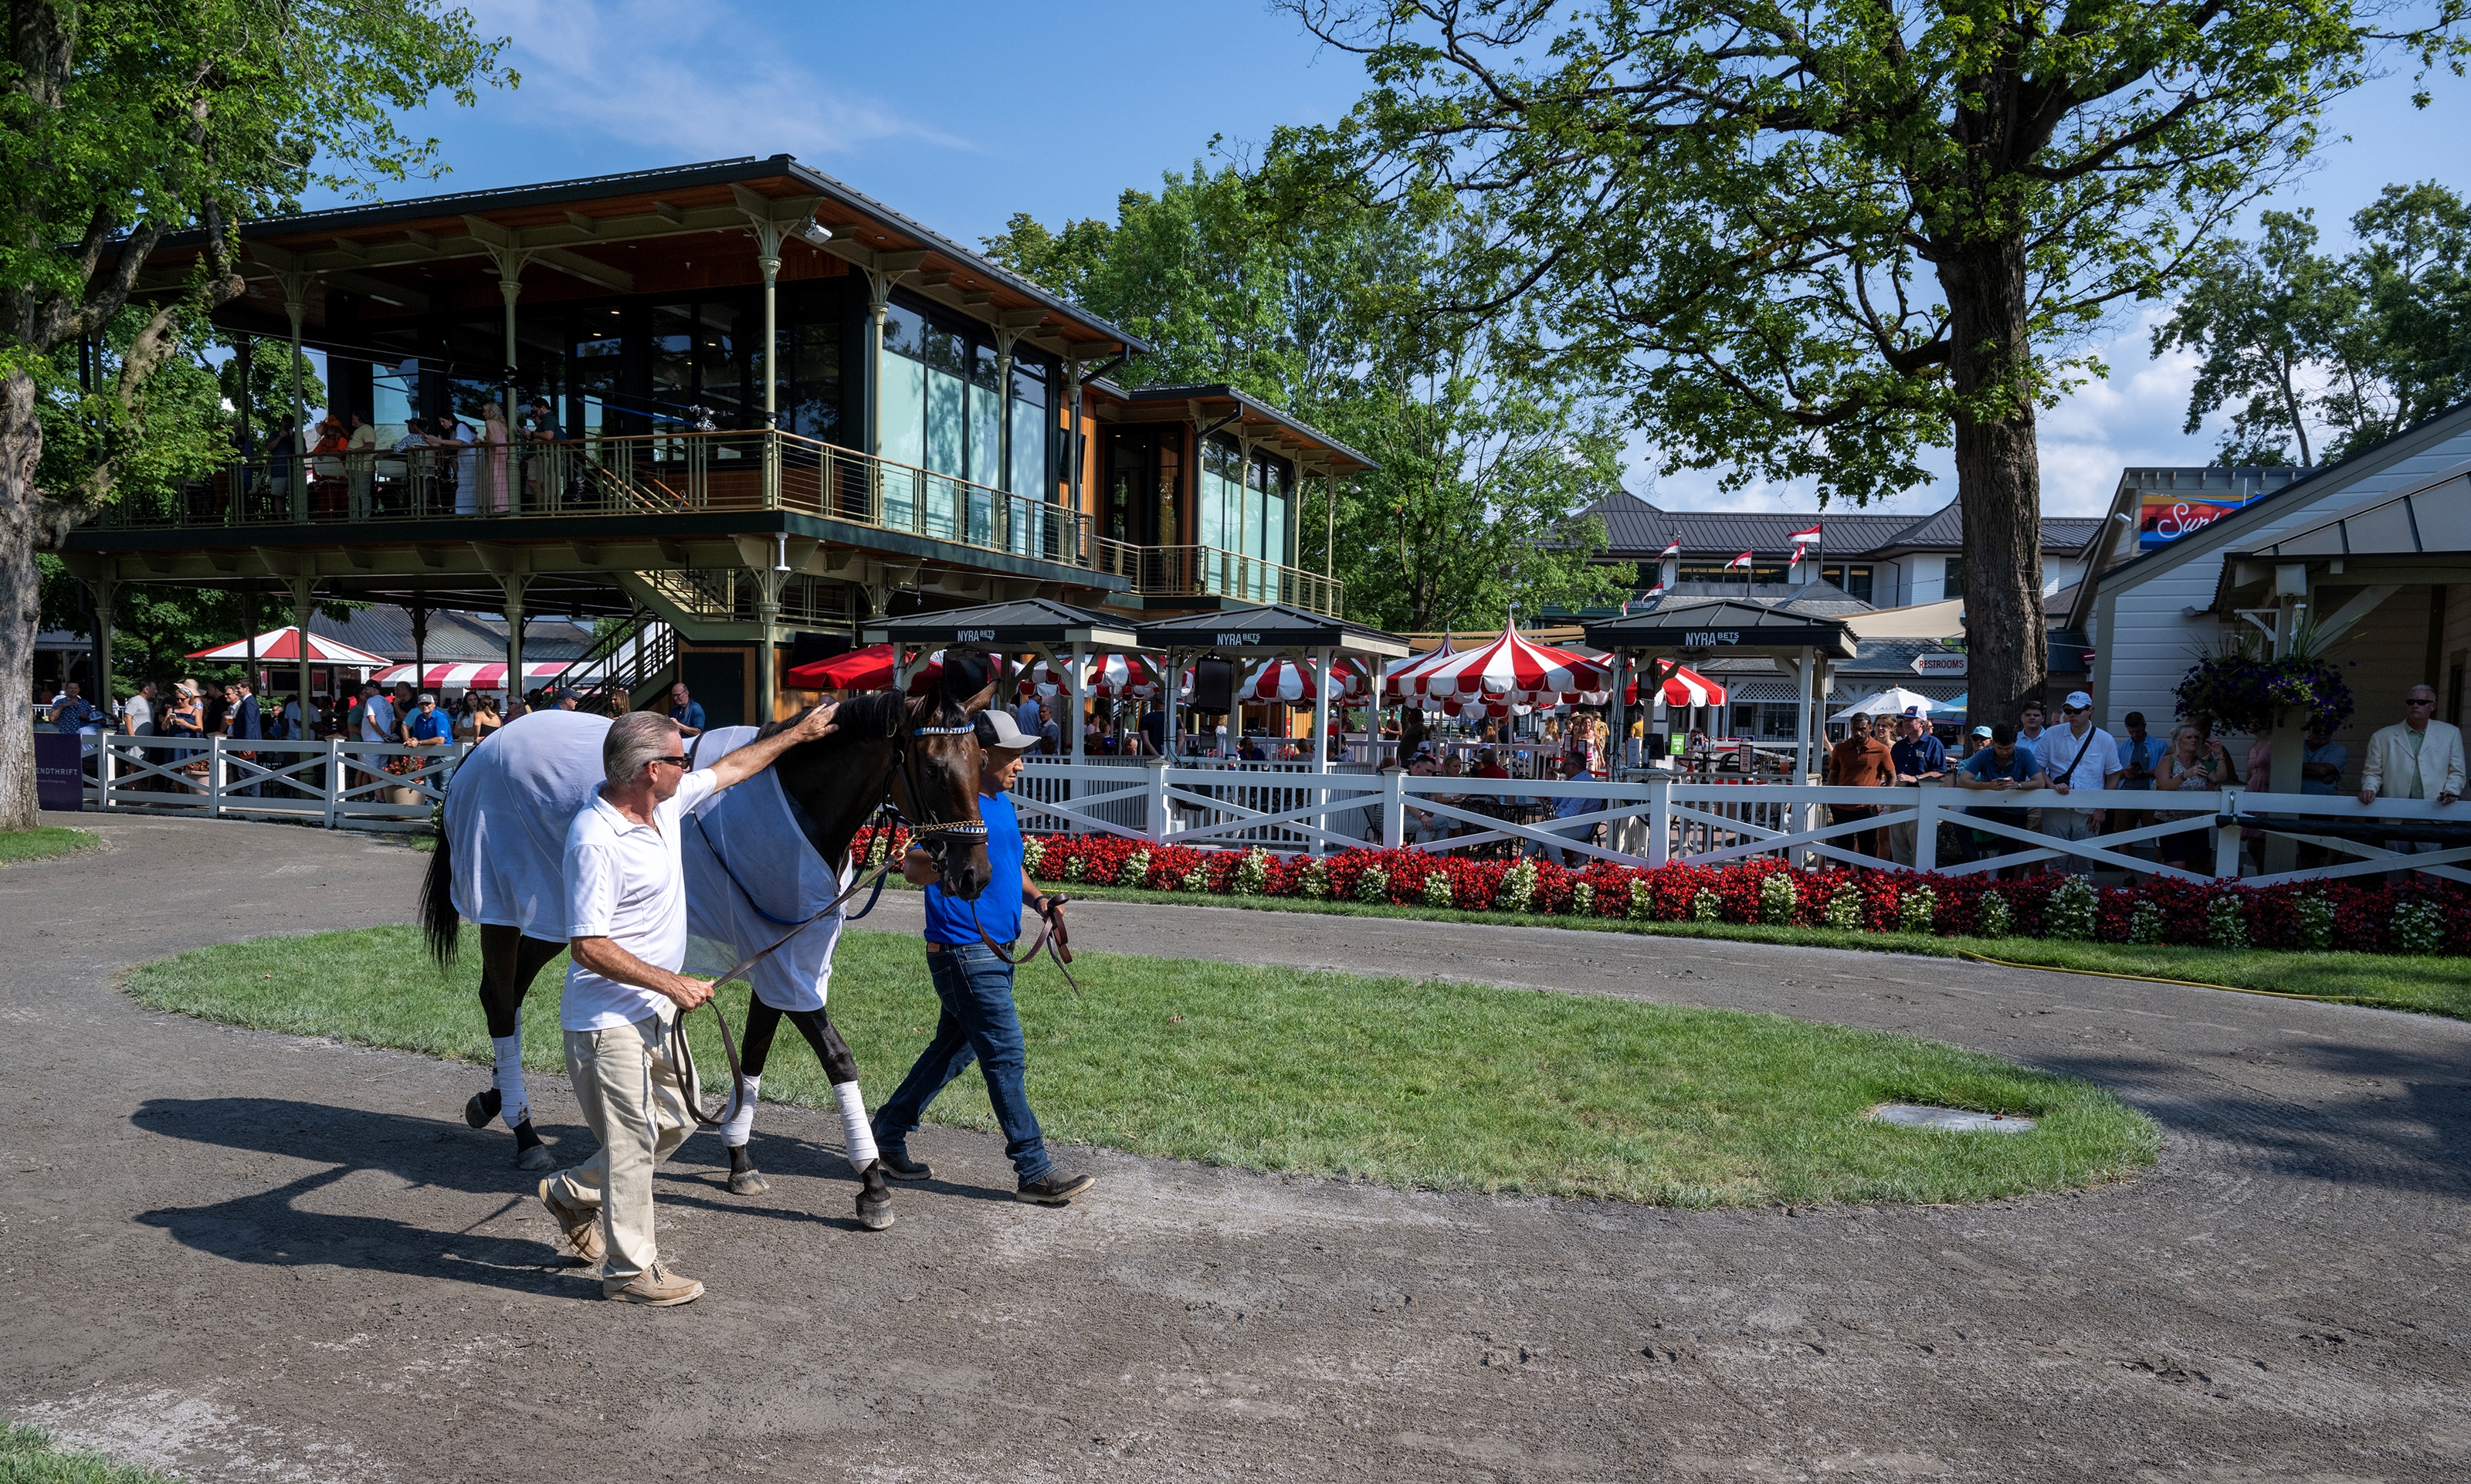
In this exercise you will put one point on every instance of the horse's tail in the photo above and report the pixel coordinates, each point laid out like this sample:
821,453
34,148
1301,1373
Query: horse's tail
440,922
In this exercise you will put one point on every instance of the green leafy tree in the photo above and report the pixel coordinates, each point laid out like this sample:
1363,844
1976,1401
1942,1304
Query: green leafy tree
121,125
1320,307
1808,241
2351,349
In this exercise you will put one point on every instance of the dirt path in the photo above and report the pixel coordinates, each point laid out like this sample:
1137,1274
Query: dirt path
247,1255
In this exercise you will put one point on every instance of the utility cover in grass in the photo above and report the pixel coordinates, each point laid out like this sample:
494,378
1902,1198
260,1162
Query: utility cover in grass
1955,1121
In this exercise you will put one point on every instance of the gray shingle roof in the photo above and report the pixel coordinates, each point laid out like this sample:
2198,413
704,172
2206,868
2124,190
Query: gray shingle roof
1636,530
384,628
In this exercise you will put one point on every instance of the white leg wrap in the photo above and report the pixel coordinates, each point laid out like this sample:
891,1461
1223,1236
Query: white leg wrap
513,1106
742,1124
856,1131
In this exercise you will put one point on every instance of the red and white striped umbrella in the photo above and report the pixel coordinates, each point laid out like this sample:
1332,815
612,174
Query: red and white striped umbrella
470,676
284,644
1514,669
1109,677
1284,681
1400,679
1684,687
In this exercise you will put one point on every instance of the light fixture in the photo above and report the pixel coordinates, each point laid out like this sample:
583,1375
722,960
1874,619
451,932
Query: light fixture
779,551
815,233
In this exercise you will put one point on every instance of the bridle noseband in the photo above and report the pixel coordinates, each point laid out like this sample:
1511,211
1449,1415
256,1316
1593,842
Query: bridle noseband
922,830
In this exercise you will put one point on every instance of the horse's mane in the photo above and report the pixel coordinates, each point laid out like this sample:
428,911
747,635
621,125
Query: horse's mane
868,719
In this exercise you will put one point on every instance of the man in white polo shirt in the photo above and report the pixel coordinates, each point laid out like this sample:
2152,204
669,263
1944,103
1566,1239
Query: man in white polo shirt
2079,754
627,914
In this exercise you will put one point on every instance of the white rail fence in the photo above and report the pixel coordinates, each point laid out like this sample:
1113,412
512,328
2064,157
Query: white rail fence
1656,821
1650,822
339,785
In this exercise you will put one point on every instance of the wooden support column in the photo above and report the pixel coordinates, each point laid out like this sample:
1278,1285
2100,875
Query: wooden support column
106,594
514,584
300,589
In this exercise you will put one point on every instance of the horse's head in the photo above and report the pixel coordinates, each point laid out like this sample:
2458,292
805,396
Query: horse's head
937,782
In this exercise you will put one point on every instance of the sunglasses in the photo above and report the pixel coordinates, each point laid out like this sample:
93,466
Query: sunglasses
679,761
2418,700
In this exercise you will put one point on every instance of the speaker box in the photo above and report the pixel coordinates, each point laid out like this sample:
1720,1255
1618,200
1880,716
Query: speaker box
1213,685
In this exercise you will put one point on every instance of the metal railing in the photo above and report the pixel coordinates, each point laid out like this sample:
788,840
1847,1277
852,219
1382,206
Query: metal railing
678,473
623,660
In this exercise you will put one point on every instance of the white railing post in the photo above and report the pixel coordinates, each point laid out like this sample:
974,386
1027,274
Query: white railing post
213,777
1927,829
1660,822
107,770
1394,808
334,777
2226,837
1154,819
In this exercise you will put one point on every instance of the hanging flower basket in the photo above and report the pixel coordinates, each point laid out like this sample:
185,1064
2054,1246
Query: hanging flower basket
2240,693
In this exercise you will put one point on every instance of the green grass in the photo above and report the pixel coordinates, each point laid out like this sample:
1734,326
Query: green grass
1432,1085
2395,982
27,1456
40,844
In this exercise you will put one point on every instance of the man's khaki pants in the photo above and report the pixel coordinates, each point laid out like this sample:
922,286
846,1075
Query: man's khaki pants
629,1091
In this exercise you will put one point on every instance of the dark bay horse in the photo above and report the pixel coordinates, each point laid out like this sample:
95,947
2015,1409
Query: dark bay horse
917,752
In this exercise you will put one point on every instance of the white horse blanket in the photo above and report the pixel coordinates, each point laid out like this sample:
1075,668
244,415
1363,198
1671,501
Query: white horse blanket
751,874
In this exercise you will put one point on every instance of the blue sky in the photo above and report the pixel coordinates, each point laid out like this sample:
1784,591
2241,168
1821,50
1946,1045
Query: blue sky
949,114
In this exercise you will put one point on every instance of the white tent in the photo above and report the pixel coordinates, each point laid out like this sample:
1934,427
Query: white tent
1890,702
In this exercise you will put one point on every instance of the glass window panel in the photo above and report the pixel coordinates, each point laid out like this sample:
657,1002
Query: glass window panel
600,357
1030,451
986,419
810,383
946,449
672,366
904,437
904,333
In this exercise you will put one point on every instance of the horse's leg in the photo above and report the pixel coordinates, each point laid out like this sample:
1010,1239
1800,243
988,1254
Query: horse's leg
753,1050
875,1192
510,962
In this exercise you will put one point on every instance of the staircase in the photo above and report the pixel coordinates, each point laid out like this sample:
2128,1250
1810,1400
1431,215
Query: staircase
640,660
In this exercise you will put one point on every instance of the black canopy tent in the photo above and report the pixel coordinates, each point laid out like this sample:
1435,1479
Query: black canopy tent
1034,623
1270,631
1804,646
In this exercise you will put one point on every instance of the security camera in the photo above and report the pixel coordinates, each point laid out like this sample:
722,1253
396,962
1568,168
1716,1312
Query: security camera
815,233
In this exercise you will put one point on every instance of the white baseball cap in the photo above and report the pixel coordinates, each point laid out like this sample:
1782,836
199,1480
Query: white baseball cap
2078,700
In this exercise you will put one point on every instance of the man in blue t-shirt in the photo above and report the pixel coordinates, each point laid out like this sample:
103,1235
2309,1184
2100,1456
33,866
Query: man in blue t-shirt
2007,765
1918,758
686,712
976,984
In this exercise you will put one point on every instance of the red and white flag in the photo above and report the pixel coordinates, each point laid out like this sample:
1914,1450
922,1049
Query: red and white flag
1801,539
1672,547
1742,561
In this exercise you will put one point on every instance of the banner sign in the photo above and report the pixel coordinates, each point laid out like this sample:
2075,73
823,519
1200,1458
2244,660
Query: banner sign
60,781
2166,516
1949,664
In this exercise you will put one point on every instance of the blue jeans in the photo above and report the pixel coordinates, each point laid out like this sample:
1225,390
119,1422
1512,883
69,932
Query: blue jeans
978,1023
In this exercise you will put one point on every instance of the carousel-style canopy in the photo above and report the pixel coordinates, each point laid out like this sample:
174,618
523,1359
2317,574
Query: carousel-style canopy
1684,687
284,644
1514,670
469,675
1398,683
870,668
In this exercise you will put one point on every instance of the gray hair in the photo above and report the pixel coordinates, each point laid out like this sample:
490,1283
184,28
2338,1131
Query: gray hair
635,740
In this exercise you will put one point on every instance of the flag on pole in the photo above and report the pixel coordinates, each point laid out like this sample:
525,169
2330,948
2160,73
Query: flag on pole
1805,537
1672,547
1742,561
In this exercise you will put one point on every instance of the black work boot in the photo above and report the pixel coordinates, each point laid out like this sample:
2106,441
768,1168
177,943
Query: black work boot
1055,1187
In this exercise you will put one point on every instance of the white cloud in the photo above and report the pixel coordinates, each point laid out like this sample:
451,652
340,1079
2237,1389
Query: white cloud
683,82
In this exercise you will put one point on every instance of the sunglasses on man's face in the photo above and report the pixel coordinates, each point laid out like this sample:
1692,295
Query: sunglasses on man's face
679,761
2419,700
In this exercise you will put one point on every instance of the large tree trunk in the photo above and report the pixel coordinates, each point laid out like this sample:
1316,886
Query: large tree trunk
1998,479
21,596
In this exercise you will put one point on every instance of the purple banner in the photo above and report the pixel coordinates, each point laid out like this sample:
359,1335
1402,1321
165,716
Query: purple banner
60,781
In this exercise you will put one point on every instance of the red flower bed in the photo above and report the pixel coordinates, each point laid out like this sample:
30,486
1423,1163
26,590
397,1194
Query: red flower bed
2363,915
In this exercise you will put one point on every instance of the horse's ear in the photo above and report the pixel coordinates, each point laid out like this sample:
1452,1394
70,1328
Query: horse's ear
969,681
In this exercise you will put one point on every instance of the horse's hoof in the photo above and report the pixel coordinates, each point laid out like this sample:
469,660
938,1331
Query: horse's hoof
874,1215
536,1157
480,1108
748,1181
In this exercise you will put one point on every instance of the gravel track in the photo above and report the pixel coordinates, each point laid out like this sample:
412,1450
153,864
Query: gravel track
245,1255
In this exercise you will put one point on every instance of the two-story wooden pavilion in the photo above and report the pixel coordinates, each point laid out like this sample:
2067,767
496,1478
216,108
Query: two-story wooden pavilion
740,401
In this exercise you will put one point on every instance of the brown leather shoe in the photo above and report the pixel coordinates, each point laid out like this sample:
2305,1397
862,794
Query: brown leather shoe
580,1224
656,1286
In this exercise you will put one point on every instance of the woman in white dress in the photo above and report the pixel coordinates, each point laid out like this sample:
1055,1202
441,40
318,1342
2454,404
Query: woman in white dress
456,437
492,459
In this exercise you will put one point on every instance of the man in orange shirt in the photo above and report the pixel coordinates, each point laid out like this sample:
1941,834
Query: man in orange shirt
1860,761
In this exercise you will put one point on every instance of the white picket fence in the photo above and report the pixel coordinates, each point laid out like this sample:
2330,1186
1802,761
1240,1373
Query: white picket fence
338,785
1287,806
1652,821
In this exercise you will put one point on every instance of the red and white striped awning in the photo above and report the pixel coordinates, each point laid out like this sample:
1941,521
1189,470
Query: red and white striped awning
1284,681
1684,687
283,643
1109,677
471,676
1514,669
1400,682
